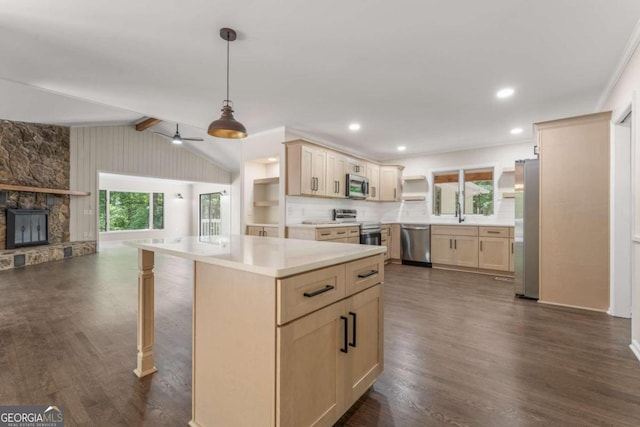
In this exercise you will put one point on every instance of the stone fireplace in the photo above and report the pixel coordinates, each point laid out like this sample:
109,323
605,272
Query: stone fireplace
35,157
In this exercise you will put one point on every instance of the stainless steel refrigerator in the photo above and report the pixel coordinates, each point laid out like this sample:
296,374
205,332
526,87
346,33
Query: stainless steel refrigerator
527,226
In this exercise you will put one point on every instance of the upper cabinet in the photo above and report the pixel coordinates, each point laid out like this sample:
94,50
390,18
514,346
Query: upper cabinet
306,170
336,175
373,175
356,166
390,183
313,170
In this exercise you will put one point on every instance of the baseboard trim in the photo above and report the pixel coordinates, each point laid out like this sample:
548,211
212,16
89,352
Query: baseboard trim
557,304
635,347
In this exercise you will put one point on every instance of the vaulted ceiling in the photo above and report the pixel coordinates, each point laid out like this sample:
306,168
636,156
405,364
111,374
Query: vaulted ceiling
422,74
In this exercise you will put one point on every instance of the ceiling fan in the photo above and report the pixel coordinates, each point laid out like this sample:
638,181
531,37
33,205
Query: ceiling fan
177,138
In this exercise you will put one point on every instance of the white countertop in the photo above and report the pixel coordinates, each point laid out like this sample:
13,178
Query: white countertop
269,256
326,225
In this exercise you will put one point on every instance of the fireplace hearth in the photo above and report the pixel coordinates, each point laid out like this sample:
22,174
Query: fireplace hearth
27,227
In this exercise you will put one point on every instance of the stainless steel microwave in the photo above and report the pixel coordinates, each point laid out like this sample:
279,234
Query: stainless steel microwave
357,186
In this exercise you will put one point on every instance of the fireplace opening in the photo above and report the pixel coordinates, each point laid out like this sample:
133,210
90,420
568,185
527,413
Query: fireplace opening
27,227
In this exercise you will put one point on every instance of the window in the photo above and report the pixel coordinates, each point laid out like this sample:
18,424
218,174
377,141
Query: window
446,192
478,191
475,185
125,211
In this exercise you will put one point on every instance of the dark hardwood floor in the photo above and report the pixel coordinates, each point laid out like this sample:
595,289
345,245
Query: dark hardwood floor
460,350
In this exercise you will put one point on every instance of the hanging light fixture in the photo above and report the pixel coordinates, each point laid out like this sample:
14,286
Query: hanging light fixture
226,126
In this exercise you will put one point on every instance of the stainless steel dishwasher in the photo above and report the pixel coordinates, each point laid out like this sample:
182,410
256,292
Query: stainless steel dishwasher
416,244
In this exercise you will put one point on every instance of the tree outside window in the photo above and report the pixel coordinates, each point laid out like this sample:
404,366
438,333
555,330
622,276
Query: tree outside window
124,210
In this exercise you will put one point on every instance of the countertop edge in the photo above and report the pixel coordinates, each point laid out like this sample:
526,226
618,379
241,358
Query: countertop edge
276,273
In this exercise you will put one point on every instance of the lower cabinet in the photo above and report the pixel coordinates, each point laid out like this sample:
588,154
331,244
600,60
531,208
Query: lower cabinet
512,256
476,247
266,231
458,249
386,240
344,234
494,253
328,359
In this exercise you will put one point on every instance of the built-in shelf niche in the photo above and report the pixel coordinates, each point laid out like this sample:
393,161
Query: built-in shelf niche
414,188
266,200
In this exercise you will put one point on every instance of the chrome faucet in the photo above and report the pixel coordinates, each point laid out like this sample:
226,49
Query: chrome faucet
459,212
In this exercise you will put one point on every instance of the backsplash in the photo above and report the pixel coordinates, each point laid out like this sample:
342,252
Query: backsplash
307,208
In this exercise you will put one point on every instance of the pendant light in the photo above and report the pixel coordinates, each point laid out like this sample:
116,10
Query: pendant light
226,126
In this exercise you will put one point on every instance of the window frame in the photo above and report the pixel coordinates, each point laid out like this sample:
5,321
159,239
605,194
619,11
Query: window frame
151,206
461,187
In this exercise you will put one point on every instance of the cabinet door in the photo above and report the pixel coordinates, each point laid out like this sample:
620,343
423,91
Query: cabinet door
385,242
311,368
271,231
307,179
365,359
336,175
465,250
354,239
395,241
389,188
441,249
313,174
373,174
254,231
494,253
512,257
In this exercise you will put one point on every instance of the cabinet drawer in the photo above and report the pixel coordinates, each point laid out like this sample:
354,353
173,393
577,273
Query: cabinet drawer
304,293
364,273
454,230
354,239
512,232
494,232
385,231
354,231
340,233
325,234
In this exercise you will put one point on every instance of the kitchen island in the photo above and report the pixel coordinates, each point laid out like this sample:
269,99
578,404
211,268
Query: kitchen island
286,332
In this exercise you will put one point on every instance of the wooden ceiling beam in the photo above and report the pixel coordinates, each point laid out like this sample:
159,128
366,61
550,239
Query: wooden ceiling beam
146,124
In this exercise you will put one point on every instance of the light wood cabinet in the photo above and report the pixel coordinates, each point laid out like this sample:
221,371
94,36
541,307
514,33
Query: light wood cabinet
494,248
454,245
344,234
373,175
395,241
390,183
356,166
306,170
385,240
494,253
336,175
264,231
512,257
329,358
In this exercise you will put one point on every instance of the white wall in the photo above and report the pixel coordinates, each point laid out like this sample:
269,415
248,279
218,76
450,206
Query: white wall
301,208
623,95
123,150
177,212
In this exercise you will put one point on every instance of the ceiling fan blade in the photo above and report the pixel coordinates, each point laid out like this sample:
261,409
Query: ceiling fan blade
192,139
163,134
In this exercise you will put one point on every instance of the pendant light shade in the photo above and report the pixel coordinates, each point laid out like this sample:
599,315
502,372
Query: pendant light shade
227,126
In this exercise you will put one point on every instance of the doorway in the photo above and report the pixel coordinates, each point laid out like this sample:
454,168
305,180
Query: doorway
210,219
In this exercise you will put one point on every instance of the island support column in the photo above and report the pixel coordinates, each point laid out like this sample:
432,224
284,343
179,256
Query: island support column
146,364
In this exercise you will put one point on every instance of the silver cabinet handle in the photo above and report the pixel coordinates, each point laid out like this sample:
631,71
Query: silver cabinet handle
455,244
480,245
313,183
450,243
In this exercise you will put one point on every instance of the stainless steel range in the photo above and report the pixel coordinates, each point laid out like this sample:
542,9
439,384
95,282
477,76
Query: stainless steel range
370,231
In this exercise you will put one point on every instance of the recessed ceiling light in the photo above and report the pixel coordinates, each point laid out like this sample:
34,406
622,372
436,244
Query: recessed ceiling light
354,126
272,159
505,93
401,148
516,131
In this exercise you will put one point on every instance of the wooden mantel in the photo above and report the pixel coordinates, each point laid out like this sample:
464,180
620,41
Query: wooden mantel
43,190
